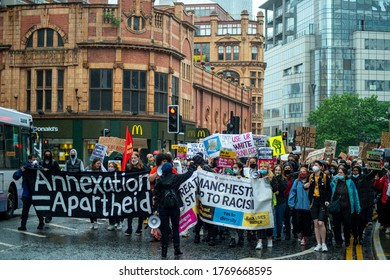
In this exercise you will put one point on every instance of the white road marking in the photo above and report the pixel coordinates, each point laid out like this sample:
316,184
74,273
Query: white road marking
6,244
311,250
59,226
25,232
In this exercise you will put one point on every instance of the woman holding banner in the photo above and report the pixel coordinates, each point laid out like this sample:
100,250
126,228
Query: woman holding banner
265,190
279,182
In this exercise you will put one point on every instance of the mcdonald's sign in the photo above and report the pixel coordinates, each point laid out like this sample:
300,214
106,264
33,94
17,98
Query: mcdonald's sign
136,129
202,133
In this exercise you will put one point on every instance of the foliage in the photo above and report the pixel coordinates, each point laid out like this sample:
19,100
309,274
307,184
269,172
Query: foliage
349,119
110,17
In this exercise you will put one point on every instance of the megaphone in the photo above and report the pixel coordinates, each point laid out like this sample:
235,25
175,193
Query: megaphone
254,174
159,170
154,221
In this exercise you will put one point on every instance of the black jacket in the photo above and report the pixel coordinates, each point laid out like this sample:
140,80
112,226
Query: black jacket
170,181
366,189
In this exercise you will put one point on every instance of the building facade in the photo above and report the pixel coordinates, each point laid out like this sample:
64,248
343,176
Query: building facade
82,68
315,49
233,49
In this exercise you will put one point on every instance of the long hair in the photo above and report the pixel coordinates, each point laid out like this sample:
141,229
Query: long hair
270,174
139,165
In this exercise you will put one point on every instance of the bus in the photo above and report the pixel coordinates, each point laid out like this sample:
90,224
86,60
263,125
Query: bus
15,145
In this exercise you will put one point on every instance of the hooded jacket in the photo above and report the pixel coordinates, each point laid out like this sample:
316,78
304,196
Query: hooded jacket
74,164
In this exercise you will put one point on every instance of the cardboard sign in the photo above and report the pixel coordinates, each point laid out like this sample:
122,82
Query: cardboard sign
113,143
226,159
259,140
194,148
316,155
374,160
330,148
385,140
181,151
305,136
364,148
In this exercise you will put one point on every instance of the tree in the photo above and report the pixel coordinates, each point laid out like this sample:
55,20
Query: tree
349,119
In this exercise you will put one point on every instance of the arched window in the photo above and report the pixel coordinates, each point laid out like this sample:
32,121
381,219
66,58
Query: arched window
45,38
136,23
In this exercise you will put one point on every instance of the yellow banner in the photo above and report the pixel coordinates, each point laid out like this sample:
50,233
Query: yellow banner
256,219
277,143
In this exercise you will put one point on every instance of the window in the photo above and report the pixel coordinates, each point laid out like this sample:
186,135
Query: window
160,93
255,79
60,90
202,52
233,75
225,53
236,53
28,93
220,53
254,53
134,91
252,29
229,28
136,23
175,90
203,30
228,53
100,92
44,90
45,38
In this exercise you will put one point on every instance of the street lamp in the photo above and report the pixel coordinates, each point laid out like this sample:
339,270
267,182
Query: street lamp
242,92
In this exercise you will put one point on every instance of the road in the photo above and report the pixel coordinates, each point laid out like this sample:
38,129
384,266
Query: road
72,239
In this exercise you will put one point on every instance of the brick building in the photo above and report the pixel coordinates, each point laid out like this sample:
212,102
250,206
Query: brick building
79,68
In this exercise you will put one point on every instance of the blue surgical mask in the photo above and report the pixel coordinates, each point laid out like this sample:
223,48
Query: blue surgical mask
263,171
340,177
355,175
235,171
332,171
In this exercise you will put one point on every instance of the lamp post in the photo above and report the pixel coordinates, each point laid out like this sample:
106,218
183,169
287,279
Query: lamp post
242,92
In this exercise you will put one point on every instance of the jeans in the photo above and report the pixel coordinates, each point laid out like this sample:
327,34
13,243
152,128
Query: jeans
279,218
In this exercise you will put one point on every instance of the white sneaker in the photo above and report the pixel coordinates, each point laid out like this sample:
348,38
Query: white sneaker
119,226
95,225
318,247
269,243
303,241
324,247
259,245
111,227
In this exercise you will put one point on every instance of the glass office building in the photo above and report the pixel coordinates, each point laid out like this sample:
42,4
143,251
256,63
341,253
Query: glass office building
318,48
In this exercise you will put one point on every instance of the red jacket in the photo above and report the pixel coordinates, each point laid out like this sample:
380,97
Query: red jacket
381,185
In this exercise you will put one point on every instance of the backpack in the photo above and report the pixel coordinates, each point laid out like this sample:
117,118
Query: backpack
170,199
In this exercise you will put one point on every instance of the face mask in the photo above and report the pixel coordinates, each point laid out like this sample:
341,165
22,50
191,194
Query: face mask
263,172
355,175
72,156
252,165
315,168
111,169
340,177
134,161
35,162
235,171
302,175
151,163
386,165
287,172
277,172
47,157
332,171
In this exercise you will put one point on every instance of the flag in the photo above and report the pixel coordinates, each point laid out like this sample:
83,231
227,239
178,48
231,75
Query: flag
128,149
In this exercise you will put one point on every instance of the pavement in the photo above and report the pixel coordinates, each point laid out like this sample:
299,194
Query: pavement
380,243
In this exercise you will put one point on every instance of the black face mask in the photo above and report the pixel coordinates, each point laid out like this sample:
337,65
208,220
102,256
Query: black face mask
72,156
252,165
287,172
47,157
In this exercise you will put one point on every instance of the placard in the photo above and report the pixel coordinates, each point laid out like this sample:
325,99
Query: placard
305,136
277,144
316,155
374,160
353,151
330,148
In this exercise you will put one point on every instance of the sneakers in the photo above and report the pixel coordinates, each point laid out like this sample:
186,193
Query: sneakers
110,227
269,243
259,245
138,232
118,226
40,226
318,247
324,247
94,225
22,228
303,241
128,232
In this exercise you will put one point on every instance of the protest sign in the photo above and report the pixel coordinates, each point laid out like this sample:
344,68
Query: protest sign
181,151
353,151
278,145
374,160
113,143
194,148
305,136
99,151
259,140
226,159
188,213
89,194
330,148
265,154
233,202
315,155
243,145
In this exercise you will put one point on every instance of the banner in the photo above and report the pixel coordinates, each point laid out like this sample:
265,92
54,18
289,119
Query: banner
235,202
188,214
89,194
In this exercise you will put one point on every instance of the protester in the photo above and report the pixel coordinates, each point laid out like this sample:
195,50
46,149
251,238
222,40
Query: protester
279,182
344,189
319,197
26,195
290,177
135,165
266,175
298,201
366,192
74,164
169,183
383,205
114,222
96,166
49,164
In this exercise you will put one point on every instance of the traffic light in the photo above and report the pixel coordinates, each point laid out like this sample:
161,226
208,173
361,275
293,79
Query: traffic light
46,144
105,132
284,135
173,119
230,128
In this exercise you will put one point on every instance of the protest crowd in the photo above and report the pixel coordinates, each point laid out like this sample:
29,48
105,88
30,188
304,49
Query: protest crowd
227,191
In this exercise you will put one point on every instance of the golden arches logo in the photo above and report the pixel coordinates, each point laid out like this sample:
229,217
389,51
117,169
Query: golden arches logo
136,129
